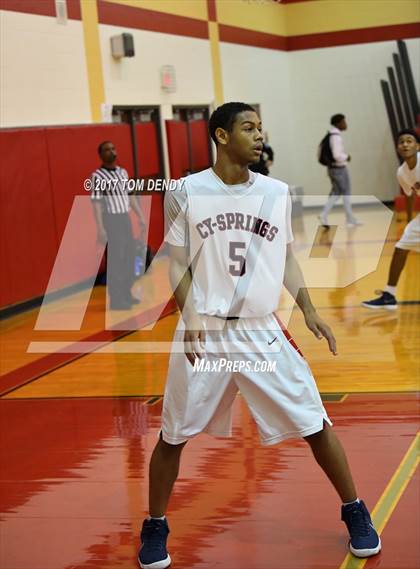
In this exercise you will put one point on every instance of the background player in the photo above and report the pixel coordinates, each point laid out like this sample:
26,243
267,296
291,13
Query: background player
408,175
222,214
339,173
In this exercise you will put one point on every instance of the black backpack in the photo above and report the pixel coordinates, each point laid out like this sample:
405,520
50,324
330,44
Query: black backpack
325,156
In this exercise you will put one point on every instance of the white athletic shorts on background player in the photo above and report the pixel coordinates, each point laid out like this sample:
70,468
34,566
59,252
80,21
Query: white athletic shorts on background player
284,403
410,239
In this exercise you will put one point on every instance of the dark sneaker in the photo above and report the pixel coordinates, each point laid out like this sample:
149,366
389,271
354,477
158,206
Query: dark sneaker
364,541
324,221
153,554
386,300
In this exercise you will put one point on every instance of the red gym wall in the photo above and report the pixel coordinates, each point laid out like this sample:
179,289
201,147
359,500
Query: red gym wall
43,169
177,136
183,138
148,162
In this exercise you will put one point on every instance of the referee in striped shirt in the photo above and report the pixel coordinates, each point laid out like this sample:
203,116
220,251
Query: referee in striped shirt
112,202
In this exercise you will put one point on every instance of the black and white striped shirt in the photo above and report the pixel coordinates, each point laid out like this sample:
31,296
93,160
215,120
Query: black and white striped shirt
112,187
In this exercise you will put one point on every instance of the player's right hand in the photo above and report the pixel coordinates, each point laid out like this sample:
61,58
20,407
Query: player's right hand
194,339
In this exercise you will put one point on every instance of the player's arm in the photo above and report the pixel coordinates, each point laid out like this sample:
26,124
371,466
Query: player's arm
337,149
181,280
295,284
408,194
409,205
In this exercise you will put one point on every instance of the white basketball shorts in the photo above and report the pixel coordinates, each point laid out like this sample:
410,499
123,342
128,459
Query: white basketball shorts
410,239
255,357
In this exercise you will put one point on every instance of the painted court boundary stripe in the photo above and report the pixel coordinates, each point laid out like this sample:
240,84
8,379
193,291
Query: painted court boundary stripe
36,369
390,498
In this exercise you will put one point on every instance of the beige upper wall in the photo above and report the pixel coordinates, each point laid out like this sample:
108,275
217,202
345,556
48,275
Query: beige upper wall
299,92
346,80
44,81
255,75
43,71
136,80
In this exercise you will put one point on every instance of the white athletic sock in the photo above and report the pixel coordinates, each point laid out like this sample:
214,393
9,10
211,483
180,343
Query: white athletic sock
391,289
356,501
152,518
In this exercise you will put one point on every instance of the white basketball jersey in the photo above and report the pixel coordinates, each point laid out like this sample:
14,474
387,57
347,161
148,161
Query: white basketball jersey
236,238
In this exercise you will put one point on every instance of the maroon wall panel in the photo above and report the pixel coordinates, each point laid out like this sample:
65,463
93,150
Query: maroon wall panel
156,222
200,145
148,160
42,171
28,242
177,135
73,156
148,149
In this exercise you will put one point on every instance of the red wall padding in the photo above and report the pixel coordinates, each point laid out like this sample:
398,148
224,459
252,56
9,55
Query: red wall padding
73,156
42,170
156,227
148,160
28,242
148,149
177,135
199,145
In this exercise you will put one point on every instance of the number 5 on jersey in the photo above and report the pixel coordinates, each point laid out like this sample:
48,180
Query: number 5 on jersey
239,269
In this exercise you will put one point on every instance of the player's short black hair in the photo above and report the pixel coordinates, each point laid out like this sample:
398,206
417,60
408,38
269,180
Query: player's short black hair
224,117
409,131
336,119
100,147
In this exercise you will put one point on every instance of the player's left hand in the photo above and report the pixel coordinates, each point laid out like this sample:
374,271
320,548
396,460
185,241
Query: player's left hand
321,330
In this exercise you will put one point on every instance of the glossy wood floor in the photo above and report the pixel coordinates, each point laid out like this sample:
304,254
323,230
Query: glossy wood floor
76,434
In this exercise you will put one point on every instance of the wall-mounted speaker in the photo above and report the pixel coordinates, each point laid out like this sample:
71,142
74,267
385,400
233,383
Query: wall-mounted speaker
122,46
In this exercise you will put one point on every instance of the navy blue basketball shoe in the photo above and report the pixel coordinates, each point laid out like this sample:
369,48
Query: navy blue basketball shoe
364,541
386,301
153,554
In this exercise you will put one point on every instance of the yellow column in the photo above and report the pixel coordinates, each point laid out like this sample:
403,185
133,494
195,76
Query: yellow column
93,57
216,65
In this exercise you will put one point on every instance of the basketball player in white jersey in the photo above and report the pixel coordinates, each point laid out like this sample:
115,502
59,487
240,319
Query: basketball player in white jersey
229,234
408,175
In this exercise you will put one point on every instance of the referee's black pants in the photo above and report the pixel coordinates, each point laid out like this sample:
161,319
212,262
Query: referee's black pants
120,257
